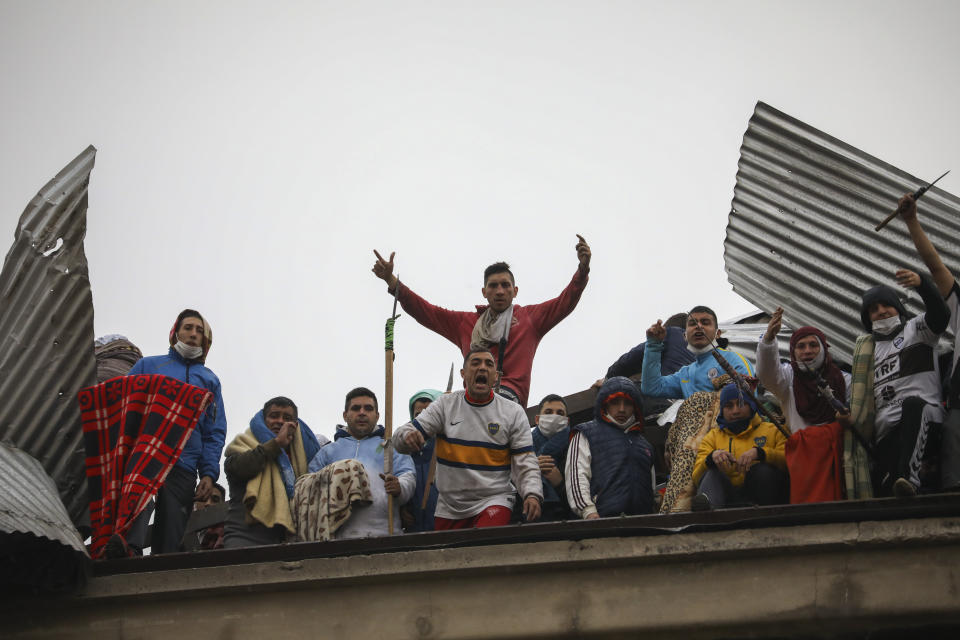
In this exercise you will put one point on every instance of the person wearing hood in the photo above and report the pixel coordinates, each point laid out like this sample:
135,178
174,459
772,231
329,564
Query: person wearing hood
609,470
362,440
906,394
814,451
483,442
522,327
262,466
551,439
417,514
701,332
949,289
742,460
190,340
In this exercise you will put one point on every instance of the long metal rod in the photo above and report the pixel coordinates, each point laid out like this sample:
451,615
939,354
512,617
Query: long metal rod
916,196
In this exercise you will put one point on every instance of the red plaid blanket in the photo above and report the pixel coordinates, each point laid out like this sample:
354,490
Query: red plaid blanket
134,429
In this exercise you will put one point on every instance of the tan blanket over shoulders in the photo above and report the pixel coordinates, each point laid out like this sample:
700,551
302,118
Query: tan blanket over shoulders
266,499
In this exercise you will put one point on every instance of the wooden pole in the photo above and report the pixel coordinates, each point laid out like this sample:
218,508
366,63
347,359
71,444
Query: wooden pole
388,431
388,402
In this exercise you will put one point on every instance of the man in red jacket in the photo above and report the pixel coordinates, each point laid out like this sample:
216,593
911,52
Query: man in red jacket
523,327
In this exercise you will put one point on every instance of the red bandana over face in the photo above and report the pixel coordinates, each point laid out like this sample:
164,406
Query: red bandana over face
812,407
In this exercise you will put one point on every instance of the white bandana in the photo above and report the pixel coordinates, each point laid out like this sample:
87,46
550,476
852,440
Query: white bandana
551,424
886,326
188,352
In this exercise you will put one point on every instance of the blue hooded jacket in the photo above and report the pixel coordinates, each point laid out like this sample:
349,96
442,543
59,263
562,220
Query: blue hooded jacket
201,453
620,478
423,517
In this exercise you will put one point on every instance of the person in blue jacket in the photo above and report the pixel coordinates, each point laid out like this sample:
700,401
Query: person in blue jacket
417,515
675,353
701,332
362,440
190,340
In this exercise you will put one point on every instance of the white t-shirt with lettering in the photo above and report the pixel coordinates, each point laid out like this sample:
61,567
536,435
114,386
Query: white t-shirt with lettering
904,366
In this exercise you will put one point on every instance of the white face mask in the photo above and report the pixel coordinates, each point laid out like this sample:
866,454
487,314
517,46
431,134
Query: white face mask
886,326
699,350
551,424
816,363
626,424
188,352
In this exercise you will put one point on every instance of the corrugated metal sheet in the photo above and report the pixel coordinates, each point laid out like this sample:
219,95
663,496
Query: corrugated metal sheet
46,331
744,338
800,232
39,545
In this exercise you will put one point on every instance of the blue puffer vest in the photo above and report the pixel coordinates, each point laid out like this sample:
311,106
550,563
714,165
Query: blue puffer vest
620,481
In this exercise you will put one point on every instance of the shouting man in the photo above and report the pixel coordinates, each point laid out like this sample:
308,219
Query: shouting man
483,441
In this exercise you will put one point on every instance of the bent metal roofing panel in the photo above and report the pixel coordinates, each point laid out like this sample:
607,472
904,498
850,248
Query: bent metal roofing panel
800,231
46,331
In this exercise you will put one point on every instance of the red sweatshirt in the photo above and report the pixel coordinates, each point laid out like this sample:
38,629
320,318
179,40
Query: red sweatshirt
529,325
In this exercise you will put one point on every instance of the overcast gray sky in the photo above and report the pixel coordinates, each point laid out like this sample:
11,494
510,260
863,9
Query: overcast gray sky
251,155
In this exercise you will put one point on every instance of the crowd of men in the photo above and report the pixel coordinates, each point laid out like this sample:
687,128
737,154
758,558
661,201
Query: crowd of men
470,458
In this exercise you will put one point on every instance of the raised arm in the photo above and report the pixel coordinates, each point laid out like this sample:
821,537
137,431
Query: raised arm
937,314
652,383
383,269
439,320
941,275
768,358
546,315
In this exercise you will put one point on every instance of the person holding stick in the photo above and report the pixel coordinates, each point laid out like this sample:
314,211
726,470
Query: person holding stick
949,289
906,397
362,440
500,321
701,332
815,449
698,384
483,442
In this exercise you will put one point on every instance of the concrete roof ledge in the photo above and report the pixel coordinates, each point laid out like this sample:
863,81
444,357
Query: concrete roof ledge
838,579
439,564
